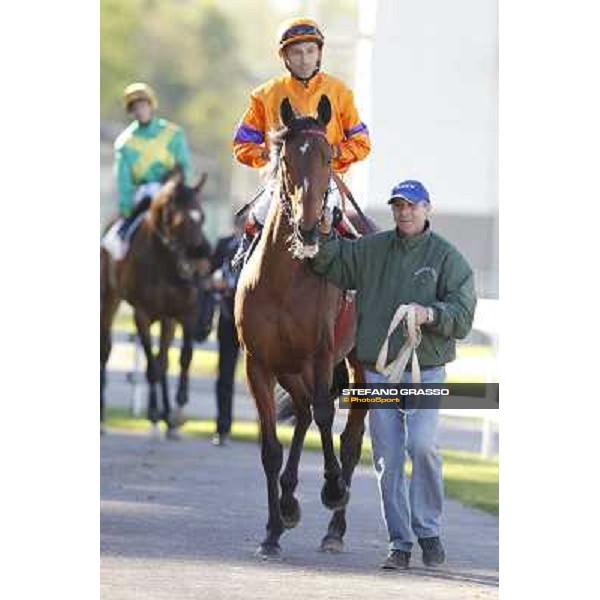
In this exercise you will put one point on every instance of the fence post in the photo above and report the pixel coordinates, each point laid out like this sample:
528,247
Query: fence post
491,399
137,401
486,437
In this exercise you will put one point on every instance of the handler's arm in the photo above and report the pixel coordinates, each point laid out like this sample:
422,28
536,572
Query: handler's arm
456,308
340,261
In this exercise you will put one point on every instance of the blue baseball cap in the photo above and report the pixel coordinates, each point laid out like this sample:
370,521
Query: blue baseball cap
411,190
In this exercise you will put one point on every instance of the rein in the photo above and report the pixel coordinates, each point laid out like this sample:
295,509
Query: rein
185,267
394,371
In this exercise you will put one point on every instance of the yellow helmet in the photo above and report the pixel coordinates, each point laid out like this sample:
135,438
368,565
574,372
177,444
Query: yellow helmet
139,91
299,30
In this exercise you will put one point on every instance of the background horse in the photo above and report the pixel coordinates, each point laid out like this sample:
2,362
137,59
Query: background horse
285,316
158,277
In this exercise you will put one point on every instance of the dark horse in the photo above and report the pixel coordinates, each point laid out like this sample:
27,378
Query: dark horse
285,316
158,277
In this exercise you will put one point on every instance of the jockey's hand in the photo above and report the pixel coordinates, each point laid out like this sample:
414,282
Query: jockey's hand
422,313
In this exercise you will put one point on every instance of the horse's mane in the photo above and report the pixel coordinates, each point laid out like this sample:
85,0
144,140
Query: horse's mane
173,187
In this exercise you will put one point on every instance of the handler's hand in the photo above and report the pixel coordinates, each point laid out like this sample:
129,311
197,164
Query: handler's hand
421,313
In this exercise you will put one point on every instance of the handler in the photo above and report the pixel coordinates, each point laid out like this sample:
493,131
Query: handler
408,265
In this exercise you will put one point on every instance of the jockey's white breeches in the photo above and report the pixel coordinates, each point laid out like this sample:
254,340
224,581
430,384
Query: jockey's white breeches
260,209
146,189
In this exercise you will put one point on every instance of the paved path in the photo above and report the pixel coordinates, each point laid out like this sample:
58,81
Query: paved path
182,520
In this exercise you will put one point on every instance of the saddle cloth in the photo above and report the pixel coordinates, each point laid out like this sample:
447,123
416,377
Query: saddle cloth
344,319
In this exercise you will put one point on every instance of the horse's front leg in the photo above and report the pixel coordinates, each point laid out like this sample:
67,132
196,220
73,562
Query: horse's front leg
261,383
185,359
290,508
142,323
167,331
335,493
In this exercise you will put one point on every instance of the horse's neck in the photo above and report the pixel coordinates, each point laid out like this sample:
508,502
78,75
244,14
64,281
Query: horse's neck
147,248
279,267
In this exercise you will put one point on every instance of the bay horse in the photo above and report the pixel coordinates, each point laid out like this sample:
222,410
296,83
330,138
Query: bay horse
158,278
285,317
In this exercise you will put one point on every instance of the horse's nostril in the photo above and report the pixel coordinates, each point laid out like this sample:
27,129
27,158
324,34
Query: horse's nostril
308,236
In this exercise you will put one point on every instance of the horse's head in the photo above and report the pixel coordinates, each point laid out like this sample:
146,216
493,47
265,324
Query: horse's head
177,217
305,169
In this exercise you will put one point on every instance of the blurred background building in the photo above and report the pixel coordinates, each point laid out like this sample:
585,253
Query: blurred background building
425,75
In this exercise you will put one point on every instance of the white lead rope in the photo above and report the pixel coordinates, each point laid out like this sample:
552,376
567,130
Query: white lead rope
395,369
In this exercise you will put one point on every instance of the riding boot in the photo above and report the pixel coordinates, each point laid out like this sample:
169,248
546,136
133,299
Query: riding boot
138,209
251,230
343,225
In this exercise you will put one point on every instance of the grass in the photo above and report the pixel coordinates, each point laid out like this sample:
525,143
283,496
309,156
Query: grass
467,478
204,361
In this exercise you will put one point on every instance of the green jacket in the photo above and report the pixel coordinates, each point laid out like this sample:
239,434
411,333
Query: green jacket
388,270
145,154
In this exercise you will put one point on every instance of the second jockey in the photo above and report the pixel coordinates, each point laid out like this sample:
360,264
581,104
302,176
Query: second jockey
144,153
300,47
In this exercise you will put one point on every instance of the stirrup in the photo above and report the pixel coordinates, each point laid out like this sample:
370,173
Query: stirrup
238,260
252,234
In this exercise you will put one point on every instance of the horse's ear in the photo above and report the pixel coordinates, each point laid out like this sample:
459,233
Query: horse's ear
286,112
174,177
324,110
198,187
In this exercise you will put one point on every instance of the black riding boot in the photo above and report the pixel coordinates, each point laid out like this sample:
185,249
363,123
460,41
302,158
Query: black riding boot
142,206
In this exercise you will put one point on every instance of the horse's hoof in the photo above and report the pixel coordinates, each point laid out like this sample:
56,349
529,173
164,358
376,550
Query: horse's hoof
332,544
177,417
335,503
173,434
269,551
291,518
155,431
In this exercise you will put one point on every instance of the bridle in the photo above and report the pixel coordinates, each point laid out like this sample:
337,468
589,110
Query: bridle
186,267
296,243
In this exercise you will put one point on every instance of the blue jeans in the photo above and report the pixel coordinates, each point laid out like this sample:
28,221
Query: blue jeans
418,505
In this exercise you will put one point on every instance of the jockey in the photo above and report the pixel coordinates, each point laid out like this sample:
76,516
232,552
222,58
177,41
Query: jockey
300,47
144,153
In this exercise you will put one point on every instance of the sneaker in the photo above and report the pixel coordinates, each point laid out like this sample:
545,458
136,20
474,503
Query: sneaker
433,551
219,439
397,560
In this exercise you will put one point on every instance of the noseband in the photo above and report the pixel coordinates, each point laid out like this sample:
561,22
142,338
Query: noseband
186,268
